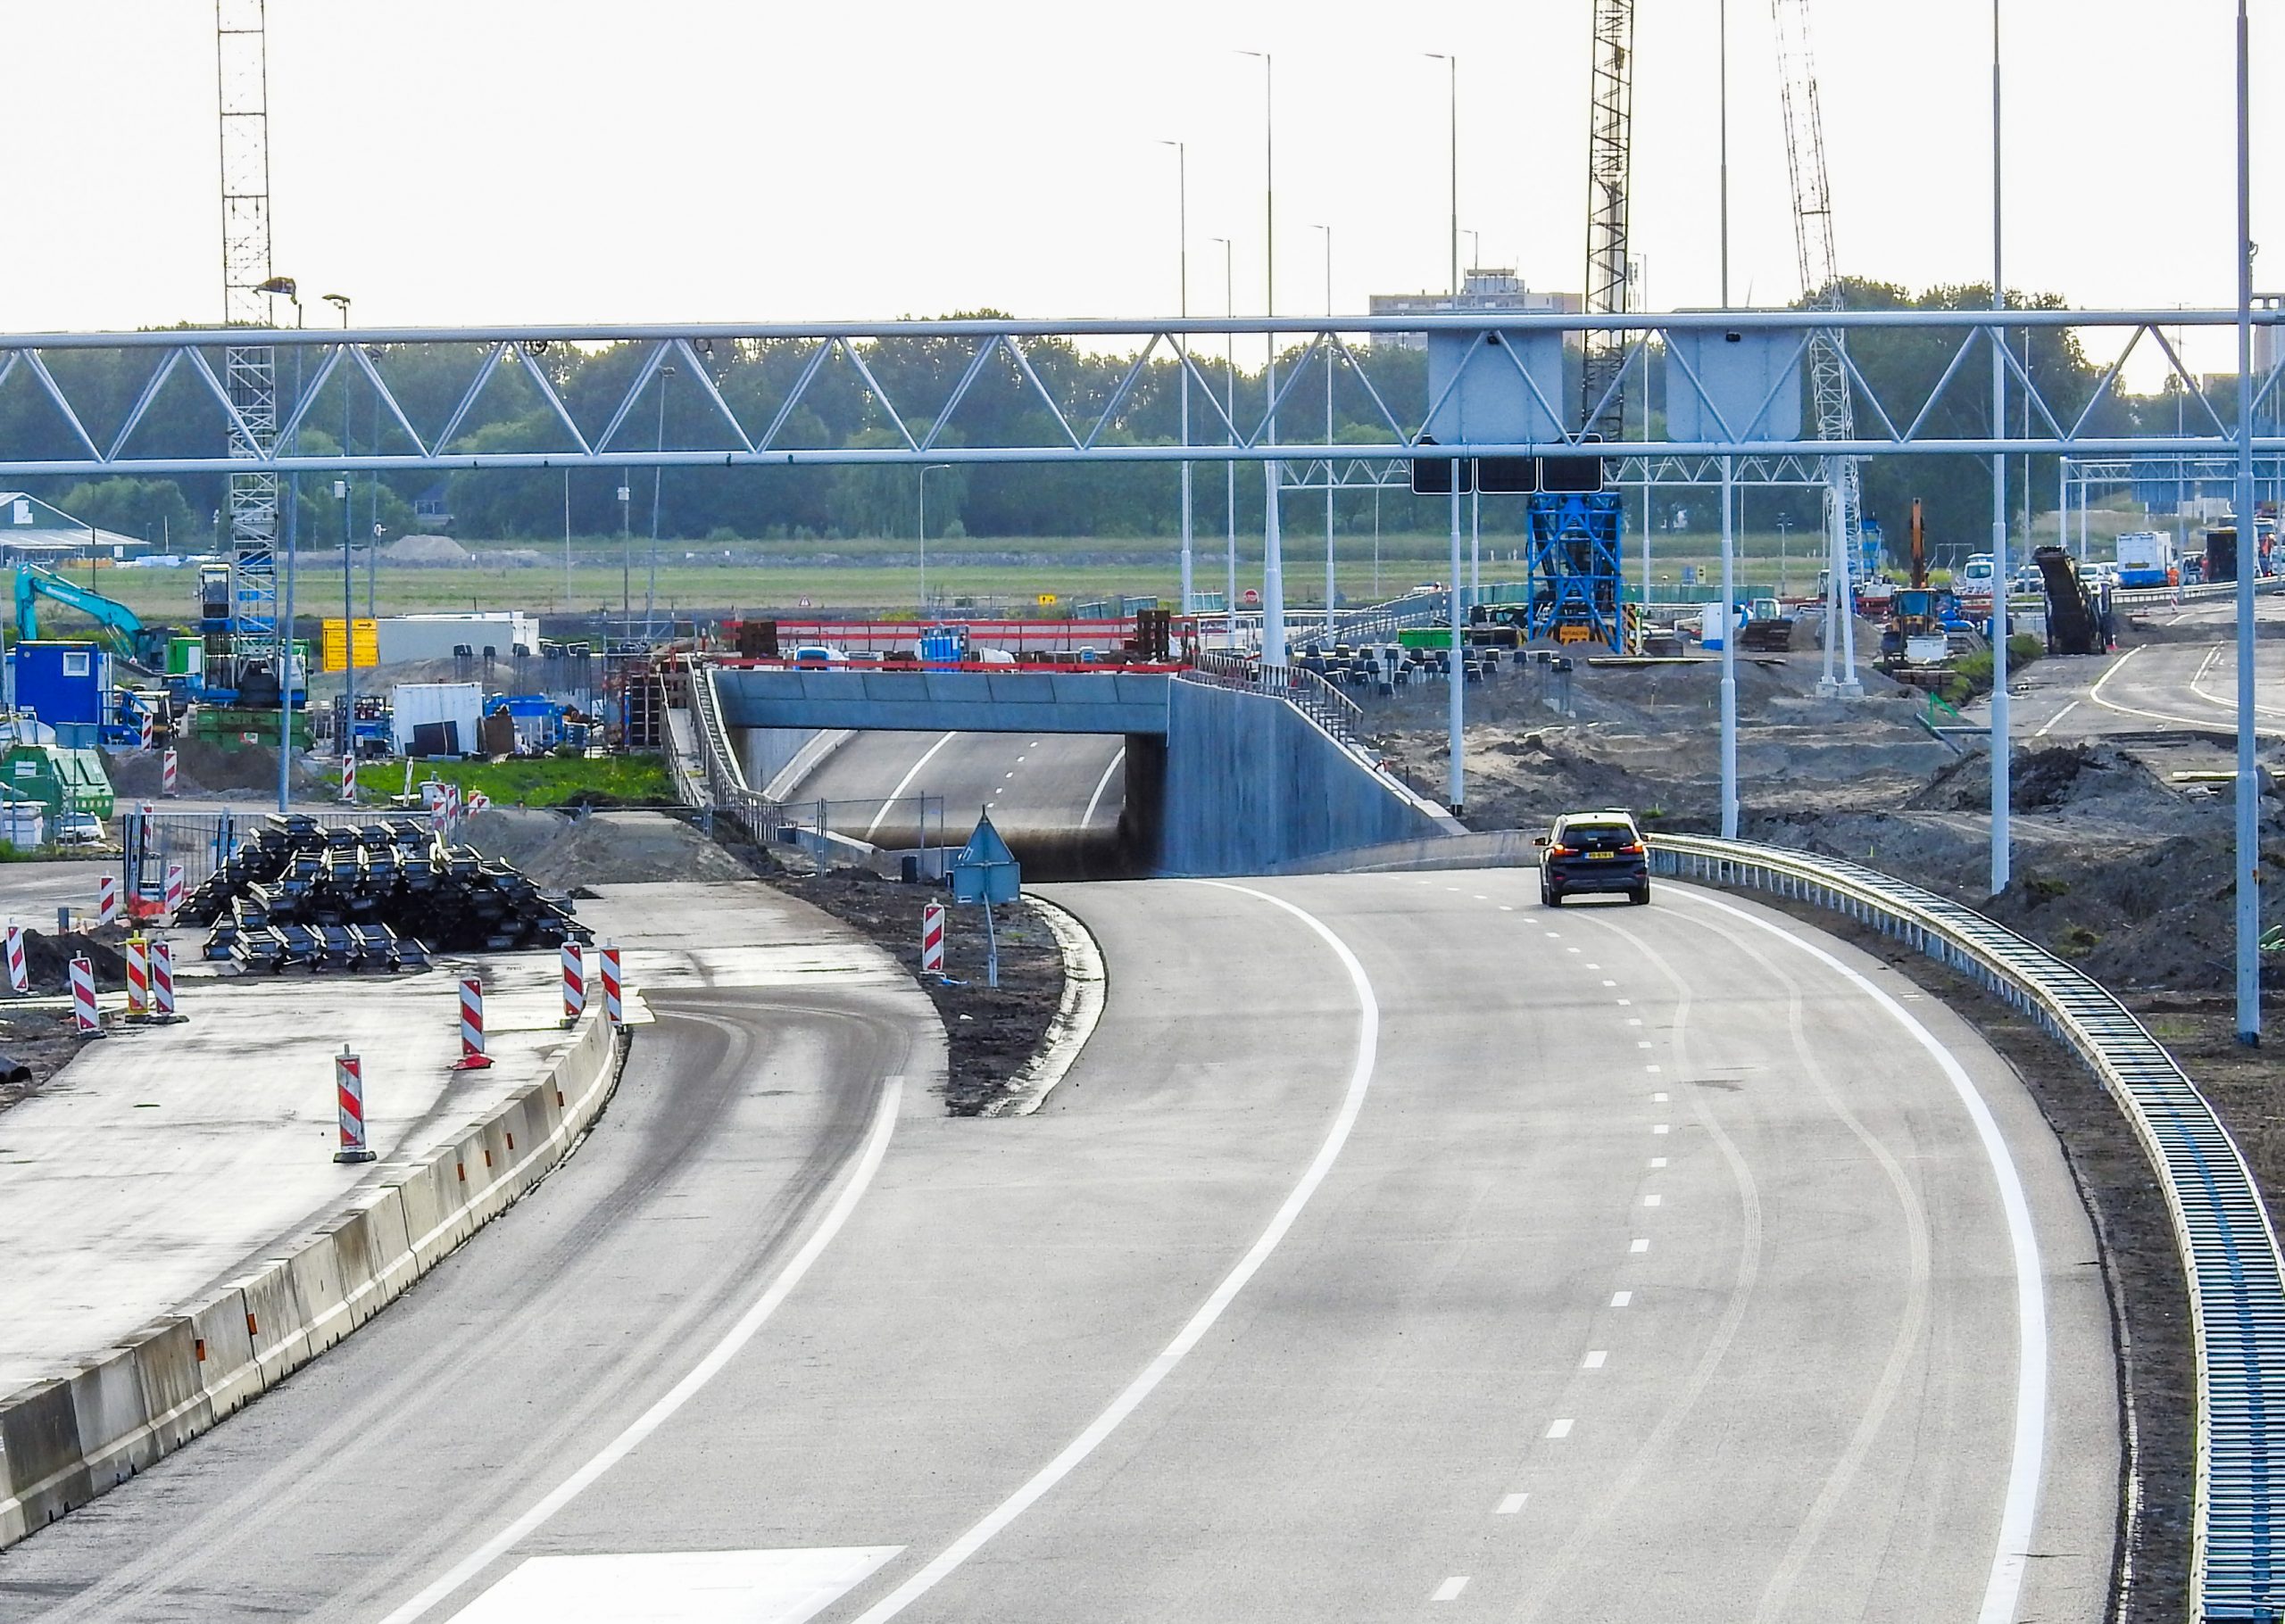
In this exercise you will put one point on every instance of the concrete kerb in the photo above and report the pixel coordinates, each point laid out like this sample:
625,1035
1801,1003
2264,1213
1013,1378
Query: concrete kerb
1085,984
65,1441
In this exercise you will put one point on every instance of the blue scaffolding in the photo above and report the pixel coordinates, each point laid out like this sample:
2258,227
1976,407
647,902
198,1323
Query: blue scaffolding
1572,568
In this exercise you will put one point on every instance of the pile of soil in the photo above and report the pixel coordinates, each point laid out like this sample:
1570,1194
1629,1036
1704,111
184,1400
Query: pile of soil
559,852
47,959
44,1040
205,769
426,550
992,1032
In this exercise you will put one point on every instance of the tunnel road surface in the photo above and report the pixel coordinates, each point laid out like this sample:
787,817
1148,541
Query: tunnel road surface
1396,1247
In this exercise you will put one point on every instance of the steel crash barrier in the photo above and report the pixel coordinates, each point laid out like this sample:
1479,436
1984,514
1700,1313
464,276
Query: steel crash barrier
2229,1249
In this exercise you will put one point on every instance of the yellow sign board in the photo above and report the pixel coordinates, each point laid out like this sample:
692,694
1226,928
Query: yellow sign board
1047,599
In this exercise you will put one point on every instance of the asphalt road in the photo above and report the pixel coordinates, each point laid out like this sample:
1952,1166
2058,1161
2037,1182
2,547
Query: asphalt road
1056,798
1395,1246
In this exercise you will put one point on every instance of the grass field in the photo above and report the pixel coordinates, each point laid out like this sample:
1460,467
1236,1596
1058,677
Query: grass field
1006,575
547,781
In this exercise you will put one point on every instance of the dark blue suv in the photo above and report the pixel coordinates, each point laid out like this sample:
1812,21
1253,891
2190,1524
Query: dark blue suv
1593,851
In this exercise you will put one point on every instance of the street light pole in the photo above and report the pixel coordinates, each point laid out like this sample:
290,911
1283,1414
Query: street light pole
342,489
286,609
1452,108
658,479
1181,351
932,468
2249,796
1230,435
1332,596
1273,561
2000,741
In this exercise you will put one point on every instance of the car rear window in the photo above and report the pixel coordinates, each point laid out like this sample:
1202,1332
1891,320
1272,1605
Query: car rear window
1598,833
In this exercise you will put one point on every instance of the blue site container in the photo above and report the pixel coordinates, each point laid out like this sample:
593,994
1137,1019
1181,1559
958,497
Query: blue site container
66,685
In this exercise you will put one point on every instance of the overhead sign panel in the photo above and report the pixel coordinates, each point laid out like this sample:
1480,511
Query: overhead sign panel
1751,379
1498,392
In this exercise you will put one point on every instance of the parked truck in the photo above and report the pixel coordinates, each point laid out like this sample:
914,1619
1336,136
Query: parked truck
2145,557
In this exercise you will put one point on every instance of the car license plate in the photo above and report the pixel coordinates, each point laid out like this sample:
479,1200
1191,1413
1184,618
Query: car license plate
1601,856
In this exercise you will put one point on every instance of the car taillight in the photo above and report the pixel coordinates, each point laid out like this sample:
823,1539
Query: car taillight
1632,849
1562,851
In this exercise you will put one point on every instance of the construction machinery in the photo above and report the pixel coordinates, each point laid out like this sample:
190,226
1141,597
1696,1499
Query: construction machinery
2078,616
121,627
1922,618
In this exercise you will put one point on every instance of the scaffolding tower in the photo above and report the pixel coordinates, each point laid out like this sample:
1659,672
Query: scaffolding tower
243,80
1609,160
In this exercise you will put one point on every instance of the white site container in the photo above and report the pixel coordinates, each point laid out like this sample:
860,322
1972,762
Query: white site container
403,637
413,705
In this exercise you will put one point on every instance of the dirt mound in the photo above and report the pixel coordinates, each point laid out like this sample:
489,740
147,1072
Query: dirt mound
630,848
426,550
203,767
516,835
2046,779
47,959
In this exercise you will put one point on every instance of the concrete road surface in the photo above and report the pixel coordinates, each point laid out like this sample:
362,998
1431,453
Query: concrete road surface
1056,798
1395,1246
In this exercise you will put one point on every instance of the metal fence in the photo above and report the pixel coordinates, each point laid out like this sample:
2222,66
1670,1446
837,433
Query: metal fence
2227,1245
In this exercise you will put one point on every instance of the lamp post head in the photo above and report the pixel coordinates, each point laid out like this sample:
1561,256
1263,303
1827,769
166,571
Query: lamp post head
279,285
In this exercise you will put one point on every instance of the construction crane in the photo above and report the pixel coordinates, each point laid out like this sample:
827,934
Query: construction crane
1820,284
1609,159
242,75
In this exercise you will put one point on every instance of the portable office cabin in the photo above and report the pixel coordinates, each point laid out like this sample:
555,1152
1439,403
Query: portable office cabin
67,685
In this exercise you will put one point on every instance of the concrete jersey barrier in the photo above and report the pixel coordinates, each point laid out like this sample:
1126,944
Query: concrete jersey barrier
64,1441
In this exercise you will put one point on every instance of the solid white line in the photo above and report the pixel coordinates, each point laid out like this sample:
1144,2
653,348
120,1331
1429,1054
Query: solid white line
2017,1512
1450,1590
876,1144
1594,1359
1360,1081
904,783
1511,1504
1561,1428
1620,1299
1103,783
2057,716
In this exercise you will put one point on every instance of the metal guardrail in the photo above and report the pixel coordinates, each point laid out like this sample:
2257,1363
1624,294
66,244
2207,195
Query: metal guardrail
2227,1245
2146,597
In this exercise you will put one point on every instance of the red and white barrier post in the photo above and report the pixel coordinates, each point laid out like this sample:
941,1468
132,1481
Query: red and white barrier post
575,983
472,1055
86,1018
173,897
19,976
146,726
163,983
139,977
931,939
106,898
614,1008
349,1100
348,776
169,770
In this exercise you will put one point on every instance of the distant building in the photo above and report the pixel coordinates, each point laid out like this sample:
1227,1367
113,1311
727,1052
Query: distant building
1496,288
35,532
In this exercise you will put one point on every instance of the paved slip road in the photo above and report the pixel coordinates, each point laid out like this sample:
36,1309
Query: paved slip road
1396,1249
1056,798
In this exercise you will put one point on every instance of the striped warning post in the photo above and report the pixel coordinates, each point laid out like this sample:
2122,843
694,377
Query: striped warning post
85,1019
614,1009
472,1055
173,897
139,977
19,977
931,939
349,1100
162,982
169,771
575,983
348,776
106,898
146,726
436,820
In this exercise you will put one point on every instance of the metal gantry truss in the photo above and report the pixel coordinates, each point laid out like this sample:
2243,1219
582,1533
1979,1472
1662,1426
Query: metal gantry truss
249,371
1610,146
61,418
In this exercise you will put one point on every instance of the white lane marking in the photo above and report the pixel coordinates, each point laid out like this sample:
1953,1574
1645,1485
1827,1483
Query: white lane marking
1622,1003
1658,1099
1033,745
1360,1081
2006,1581
1652,1200
1620,1299
2057,716
1010,773
1479,896
1638,1244
677,1586
1574,950
1594,1359
1506,909
1606,984
1450,1590
1591,966
1654,1068
1643,1043
1551,935
869,1162
1101,784
1020,759
1659,1128
905,782
1559,1428
1657,1161
1509,1505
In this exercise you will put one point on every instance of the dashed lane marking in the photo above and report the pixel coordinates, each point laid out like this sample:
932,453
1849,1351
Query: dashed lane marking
1620,1299
1641,1243
1509,1505
1559,1428
1450,1590
1594,1359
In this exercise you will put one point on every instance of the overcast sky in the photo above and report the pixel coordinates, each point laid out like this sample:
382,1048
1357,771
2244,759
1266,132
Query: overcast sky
493,161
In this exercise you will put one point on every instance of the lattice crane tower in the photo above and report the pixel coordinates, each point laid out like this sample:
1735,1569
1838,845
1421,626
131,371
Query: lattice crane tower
1609,160
243,77
1820,284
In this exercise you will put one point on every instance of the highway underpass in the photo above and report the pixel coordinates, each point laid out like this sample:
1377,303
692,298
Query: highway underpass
1393,1242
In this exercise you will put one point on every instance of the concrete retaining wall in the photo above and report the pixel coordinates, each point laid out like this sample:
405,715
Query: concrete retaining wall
65,1441
1250,786
775,760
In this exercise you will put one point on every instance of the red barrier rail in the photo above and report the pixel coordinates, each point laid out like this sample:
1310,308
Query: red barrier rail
1100,668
